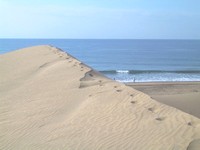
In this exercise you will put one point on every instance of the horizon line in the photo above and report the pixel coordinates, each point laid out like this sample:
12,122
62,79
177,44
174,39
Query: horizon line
100,38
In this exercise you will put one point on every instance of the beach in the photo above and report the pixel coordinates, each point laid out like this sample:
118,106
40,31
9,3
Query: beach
182,95
51,100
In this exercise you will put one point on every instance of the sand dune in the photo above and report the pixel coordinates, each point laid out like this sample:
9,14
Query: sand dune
50,100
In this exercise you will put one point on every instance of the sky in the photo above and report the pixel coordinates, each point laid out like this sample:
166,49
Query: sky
100,19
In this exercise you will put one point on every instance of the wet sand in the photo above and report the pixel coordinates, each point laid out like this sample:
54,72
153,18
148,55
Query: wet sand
182,95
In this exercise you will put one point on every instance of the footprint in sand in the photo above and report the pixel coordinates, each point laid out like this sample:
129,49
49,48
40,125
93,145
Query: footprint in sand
189,123
91,75
119,90
159,118
151,109
133,102
82,68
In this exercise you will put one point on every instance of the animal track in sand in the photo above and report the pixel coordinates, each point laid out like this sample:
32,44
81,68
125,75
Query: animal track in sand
115,87
132,95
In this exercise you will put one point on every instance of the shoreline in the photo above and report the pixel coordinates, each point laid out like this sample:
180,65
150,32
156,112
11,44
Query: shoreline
163,82
182,95
169,87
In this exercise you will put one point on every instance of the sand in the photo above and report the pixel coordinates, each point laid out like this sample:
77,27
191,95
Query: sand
50,100
182,95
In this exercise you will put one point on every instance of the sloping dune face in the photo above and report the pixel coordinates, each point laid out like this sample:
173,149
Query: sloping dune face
50,100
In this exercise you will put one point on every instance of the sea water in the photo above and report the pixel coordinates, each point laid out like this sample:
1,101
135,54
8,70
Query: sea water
128,60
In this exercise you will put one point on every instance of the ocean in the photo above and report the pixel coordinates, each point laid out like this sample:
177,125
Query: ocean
128,60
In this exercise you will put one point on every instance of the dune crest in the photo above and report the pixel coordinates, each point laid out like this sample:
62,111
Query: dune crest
50,100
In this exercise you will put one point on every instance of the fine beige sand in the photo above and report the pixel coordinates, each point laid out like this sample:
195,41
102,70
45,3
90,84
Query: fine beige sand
182,95
49,100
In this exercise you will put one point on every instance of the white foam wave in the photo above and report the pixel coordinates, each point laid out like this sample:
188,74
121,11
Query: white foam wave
158,80
122,71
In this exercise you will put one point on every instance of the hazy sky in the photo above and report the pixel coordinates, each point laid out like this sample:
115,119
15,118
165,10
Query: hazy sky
123,19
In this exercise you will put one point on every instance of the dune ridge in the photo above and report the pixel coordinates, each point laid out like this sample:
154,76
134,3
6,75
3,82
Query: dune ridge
50,100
